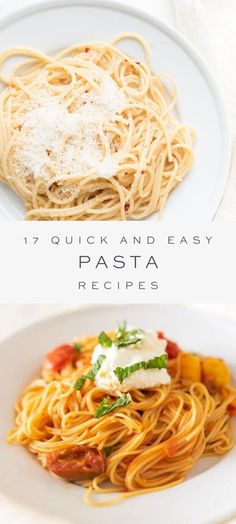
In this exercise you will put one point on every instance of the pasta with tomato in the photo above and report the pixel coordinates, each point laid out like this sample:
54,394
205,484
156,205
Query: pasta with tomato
125,413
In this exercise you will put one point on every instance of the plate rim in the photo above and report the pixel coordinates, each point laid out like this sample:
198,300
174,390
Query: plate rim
226,157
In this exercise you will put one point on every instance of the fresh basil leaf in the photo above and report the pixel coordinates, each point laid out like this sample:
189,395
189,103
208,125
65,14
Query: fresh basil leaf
124,337
121,330
128,341
96,367
91,374
106,406
79,382
104,340
78,347
154,363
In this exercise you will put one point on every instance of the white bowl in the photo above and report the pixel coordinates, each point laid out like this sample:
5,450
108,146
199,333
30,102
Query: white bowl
48,26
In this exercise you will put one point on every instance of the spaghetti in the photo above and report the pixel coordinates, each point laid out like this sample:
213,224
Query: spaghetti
148,444
90,134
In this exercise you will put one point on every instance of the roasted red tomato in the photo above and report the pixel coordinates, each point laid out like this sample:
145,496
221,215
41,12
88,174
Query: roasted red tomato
59,357
76,463
172,349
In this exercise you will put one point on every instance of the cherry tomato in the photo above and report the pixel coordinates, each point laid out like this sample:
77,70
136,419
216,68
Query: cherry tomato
76,463
232,408
172,349
57,359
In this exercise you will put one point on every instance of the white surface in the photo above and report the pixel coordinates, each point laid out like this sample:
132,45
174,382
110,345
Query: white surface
197,92
210,26
31,488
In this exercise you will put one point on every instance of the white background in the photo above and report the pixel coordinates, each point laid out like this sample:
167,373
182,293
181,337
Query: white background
48,273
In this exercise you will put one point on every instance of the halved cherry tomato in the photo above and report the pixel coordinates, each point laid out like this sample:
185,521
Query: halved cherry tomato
172,348
76,463
57,359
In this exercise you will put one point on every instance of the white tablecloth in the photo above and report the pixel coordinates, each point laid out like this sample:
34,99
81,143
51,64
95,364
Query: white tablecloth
210,26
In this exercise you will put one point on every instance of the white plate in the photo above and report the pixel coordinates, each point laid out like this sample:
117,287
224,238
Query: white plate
58,24
207,496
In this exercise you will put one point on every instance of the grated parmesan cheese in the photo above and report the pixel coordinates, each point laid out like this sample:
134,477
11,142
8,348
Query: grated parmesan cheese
53,141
